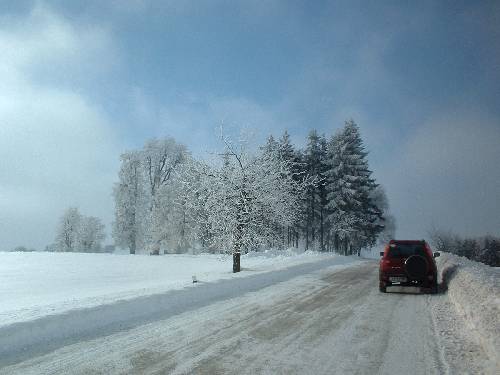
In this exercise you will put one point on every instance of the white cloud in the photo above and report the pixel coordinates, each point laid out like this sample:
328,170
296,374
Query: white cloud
57,149
44,43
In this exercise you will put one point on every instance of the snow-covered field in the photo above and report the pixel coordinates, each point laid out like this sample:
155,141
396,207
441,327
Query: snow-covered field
51,300
37,284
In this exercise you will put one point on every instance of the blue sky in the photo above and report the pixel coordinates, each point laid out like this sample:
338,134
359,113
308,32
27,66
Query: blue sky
84,81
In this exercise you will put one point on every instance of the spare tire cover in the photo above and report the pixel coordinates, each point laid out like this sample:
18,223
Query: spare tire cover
416,267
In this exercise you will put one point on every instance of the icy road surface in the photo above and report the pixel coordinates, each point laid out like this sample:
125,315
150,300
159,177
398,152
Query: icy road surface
331,321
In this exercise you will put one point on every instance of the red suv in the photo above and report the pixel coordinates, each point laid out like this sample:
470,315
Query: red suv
408,263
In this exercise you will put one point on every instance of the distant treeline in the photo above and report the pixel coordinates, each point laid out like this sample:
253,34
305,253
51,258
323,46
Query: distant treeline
484,249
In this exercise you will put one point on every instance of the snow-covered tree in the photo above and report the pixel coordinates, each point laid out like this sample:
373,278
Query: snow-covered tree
247,197
354,217
129,203
161,158
315,200
90,235
78,233
145,195
388,221
289,155
270,146
68,230
177,209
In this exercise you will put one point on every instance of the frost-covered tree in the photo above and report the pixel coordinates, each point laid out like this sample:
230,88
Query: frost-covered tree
388,221
443,240
177,209
68,230
146,196
129,203
247,197
273,149
270,146
161,159
78,233
90,235
292,157
315,200
353,215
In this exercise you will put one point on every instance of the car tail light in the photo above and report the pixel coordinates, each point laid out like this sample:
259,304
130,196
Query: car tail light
385,264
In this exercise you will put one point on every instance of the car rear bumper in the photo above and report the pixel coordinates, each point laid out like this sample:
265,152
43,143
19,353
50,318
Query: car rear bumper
389,279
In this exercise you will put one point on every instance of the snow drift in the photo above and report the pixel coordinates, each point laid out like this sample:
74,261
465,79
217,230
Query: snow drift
474,290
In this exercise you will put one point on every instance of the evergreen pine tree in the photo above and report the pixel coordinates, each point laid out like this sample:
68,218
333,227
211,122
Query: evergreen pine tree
293,158
353,216
271,145
315,166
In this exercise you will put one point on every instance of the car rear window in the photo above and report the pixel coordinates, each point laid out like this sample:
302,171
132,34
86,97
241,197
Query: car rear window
404,250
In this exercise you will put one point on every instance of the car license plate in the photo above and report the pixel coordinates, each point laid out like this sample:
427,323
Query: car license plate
397,279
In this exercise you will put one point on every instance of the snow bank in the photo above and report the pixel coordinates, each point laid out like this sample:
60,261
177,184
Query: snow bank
474,289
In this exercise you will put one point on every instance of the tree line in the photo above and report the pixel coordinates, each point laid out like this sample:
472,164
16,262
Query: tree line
484,249
322,197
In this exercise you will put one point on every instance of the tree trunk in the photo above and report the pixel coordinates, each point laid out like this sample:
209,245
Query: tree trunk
236,262
156,249
237,247
313,221
132,243
322,232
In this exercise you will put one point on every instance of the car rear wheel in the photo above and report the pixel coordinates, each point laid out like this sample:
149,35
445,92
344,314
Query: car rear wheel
382,288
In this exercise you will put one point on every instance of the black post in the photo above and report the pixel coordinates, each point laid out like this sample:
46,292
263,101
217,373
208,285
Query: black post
236,262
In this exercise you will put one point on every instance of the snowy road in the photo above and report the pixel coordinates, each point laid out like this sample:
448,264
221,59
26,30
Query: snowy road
325,322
